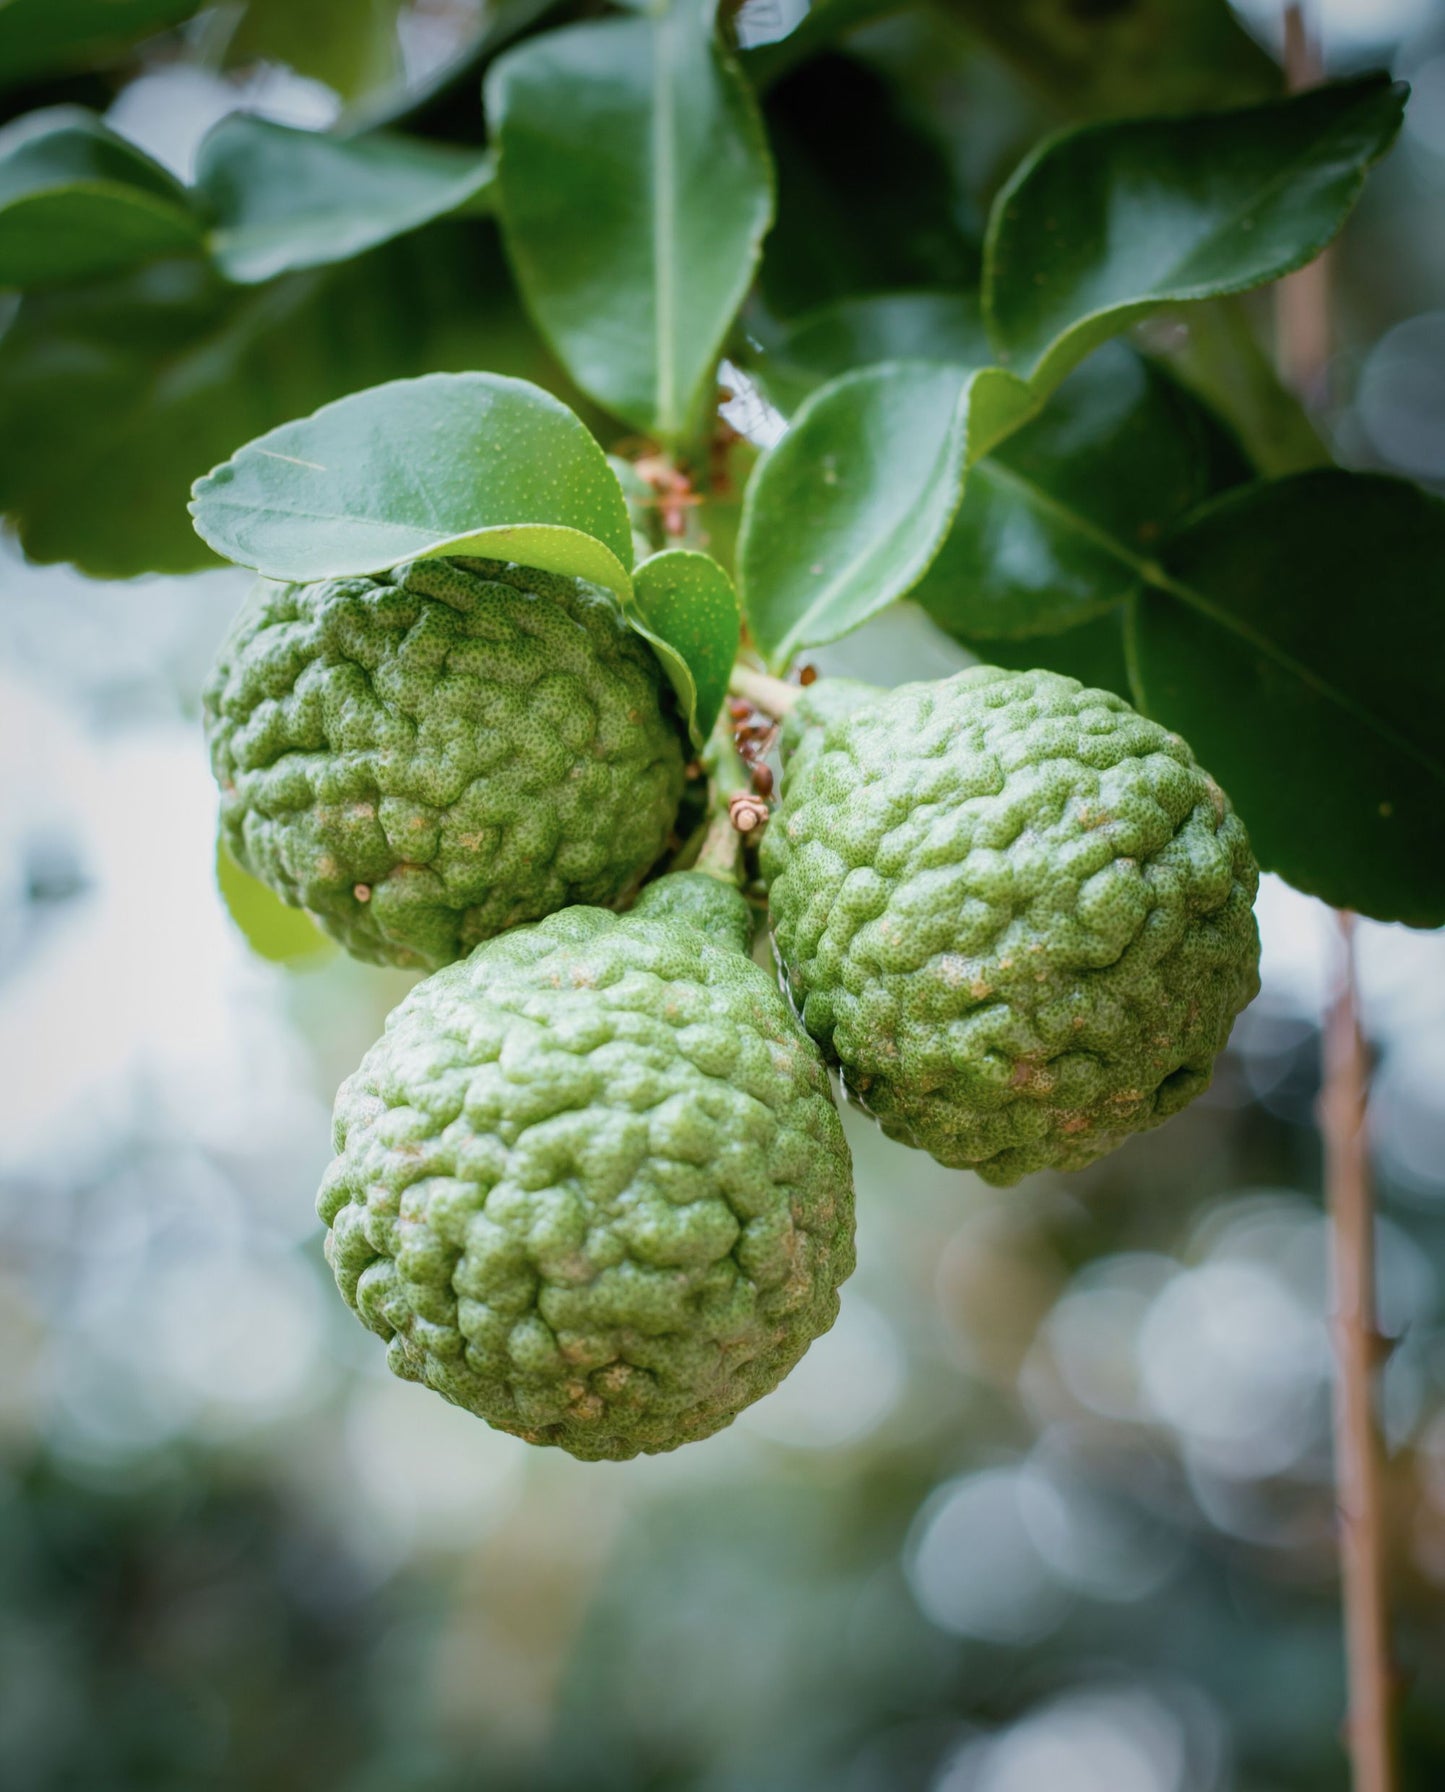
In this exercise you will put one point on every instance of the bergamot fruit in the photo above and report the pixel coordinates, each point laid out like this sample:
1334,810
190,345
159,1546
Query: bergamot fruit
424,758
1015,912
591,1184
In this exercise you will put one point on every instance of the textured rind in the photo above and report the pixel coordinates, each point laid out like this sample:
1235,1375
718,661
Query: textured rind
427,757
1015,912
591,1184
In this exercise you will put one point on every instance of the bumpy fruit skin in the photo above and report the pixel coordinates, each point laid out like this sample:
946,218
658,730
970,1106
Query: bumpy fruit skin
427,757
1016,913
591,1184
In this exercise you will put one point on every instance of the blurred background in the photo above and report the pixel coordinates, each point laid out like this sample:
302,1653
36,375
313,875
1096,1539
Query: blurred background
1050,1510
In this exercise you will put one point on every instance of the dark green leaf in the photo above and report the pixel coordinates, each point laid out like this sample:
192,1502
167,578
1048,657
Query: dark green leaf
1092,652
77,200
1103,224
866,199
273,931
114,396
38,37
1101,60
860,332
634,188
1217,353
452,463
686,606
285,198
845,514
769,54
1060,517
1295,637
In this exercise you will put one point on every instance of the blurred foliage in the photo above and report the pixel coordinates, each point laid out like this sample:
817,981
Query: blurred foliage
273,931
186,367
858,211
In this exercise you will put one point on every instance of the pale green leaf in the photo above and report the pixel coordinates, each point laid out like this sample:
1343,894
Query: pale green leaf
447,464
273,930
283,198
685,604
846,513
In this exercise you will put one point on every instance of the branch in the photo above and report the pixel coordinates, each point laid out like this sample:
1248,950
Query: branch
1303,338
1359,1349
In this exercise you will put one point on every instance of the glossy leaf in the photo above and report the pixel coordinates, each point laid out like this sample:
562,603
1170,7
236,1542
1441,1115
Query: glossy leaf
860,332
40,37
685,604
1296,638
273,931
634,206
859,209
1059,519
114,395
1104,224
283,198
76,200
460,463
845,514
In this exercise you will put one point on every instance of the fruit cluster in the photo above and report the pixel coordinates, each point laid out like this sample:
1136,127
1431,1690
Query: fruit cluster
591,1184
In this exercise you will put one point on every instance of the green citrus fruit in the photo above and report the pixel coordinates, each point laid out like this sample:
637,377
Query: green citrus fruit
590,1183
425,758
1015,912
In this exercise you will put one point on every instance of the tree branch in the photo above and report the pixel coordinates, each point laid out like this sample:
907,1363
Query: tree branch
1303,343
1359,1350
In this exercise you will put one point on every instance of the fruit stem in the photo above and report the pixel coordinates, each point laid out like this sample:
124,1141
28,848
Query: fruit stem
772,696
722,850
1359,1351
721,854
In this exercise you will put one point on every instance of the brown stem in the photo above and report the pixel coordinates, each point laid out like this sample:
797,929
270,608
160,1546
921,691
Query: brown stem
721,854
1302,300
1303,337
1359,1448
773,696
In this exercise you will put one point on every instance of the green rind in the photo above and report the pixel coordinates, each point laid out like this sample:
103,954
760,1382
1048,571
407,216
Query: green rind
424,759
591,1185
1016,913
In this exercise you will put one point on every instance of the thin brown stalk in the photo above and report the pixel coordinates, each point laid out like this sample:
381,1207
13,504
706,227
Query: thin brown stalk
1303,334
1359,1351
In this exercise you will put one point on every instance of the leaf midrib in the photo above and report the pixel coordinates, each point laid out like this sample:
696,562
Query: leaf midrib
664,221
